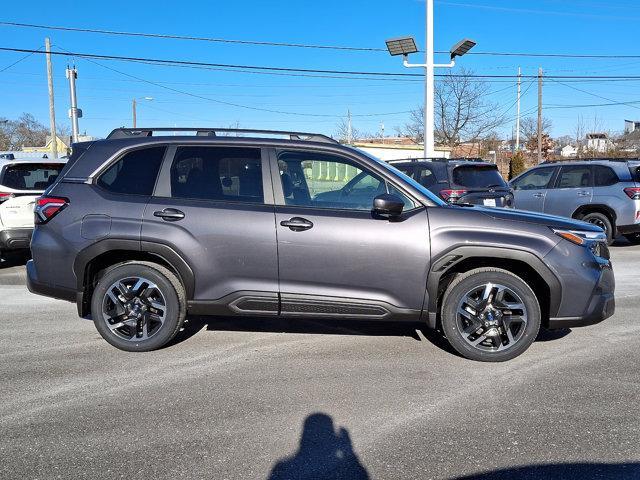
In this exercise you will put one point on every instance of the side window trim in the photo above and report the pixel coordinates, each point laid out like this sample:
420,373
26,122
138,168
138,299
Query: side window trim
163,183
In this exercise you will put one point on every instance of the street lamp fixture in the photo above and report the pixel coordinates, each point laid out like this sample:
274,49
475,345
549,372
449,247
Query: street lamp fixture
462,47
401,46
134,109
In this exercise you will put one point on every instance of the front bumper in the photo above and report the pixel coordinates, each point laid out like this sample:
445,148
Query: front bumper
601,306
15,238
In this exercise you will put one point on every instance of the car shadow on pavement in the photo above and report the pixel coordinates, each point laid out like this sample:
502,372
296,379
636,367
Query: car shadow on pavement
323,453
414,330
563,471
550,335
14,259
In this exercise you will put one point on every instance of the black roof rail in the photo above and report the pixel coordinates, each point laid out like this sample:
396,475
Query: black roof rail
569,160
213,132
439,159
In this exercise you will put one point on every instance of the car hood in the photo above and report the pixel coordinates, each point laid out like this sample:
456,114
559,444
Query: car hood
537,218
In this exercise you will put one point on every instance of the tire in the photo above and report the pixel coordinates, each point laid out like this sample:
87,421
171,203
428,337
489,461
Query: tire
146,300
602,221
634,238
468,292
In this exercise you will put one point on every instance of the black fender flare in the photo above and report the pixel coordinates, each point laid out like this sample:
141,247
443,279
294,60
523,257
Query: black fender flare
443,264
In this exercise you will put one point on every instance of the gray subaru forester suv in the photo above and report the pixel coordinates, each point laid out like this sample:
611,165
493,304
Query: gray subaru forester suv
144,228
603,192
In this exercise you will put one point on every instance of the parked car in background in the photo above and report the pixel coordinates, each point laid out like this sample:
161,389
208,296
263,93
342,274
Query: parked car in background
145,226
603,192
471,181
22,181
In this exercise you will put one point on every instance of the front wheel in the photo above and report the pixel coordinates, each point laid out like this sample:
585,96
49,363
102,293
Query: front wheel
490,315
138,306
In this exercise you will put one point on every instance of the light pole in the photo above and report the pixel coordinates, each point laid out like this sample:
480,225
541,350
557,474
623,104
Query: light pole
405,46
133,108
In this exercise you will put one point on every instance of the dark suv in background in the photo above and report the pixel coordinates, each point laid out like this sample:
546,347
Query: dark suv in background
599,191
460,180
141,229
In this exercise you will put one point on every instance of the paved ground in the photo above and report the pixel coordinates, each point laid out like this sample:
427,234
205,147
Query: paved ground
263,399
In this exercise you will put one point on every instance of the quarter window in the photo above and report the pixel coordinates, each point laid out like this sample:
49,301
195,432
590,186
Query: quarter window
604,176
135,173
217,173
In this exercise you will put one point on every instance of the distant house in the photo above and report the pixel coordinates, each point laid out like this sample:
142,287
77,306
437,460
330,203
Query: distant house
599,142
568,151
61,144
631,126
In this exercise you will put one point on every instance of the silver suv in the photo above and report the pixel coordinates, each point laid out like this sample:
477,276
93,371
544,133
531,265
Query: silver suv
603,192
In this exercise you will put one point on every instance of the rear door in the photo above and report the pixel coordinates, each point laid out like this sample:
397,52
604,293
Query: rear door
530,189
20,185
335,257
573,188
214,206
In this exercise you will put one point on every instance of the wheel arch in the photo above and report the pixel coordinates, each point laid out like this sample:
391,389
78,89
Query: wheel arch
525,264
109,252
606,210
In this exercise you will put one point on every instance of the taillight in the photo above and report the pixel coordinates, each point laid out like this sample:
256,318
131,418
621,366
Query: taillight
452,195
4,196
633,192
49,207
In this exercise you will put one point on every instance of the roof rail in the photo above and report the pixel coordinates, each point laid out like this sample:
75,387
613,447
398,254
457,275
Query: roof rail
602,159
438,159
213,132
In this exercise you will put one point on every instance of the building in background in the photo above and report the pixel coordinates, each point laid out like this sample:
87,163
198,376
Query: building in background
599,142
388,151
631,126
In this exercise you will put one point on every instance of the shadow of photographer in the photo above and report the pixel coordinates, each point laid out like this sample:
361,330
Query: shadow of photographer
323,454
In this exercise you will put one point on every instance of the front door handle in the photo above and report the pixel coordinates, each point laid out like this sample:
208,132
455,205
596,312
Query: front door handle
538,195
297,224
169,214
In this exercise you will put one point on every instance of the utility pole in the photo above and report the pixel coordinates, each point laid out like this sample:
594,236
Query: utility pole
382,131
429,87
349,129
518,111
133,107
74,111
52,110
540,115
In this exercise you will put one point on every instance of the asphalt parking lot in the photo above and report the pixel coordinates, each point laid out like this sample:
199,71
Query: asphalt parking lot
266,399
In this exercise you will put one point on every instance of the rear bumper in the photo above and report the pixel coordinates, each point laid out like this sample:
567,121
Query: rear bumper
627,229
601,306
41,288
15,238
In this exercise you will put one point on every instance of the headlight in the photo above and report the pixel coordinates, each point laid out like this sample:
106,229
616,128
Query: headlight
594,241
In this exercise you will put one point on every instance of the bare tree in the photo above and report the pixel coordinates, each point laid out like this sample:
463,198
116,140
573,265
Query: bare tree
529,130
463,111
26,130
580,132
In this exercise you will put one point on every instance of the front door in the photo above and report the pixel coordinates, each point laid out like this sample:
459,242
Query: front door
213,205
335,257
530,189
573,189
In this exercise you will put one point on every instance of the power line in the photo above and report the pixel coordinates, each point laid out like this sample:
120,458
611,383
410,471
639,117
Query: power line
296,45
263,69
18,61
631,104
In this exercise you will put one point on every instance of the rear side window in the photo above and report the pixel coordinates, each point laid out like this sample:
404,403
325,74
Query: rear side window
135,173
477,177
604,176
574,177
30,176
217,173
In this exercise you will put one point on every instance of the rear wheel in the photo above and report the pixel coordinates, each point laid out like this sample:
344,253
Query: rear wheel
138,306
602,221
634,238
490,315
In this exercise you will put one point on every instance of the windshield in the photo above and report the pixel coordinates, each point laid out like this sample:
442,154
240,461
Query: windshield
30,176
406,179
475,176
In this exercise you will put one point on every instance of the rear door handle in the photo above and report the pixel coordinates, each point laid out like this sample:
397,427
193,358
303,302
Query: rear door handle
538,195
583,194
169,214
297,224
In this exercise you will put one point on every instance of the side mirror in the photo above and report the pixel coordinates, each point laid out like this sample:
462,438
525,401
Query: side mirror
388,205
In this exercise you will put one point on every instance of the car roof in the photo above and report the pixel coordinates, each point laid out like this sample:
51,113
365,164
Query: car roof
5,161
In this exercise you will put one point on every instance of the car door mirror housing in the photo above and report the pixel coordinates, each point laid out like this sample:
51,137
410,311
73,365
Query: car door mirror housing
388,205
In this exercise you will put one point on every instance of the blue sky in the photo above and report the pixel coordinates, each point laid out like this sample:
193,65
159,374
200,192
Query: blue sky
547,26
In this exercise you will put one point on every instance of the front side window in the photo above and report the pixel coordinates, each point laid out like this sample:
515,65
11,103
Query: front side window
326,181
217,173
30,176
575,177
135,173
537,179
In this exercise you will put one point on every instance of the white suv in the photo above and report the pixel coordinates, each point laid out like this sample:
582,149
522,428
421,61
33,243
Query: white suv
21,182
